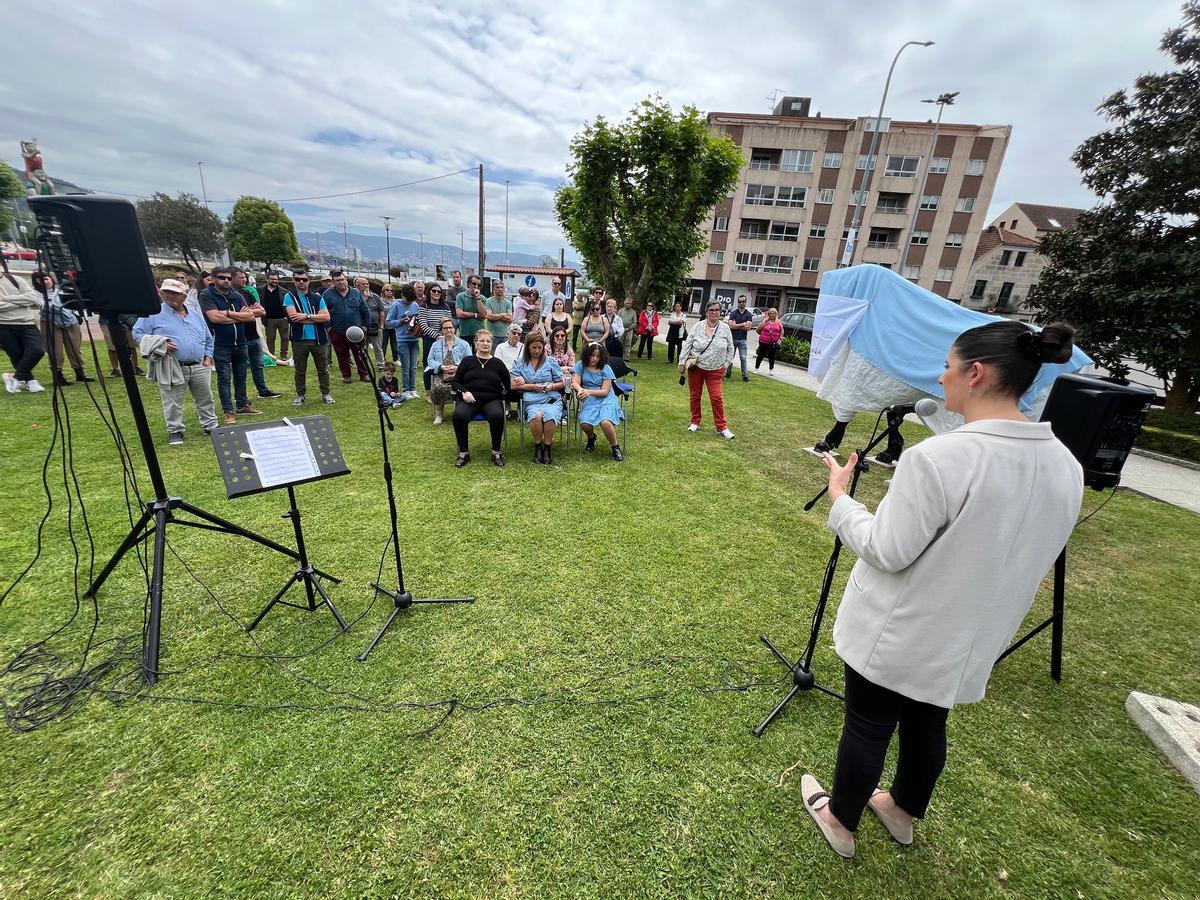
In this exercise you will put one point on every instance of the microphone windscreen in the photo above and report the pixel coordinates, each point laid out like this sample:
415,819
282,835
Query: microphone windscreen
925,407
354,334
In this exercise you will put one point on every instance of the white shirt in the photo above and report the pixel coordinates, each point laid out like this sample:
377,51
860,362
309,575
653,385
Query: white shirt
507,354
950,562
548,299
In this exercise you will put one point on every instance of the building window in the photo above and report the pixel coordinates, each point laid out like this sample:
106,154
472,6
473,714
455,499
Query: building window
902,166
854,197
912,272
930,201
817,231
1005,257
778,265
785,231
760,194
881,239
965,204
722,224
845,234
1006,290
945,274
717,258
824,195
977,291
1020,261
753,230
763,159
812,263
975,166
797,161
862,162
954,239
790,196
919,238
939,165
832,161
748,262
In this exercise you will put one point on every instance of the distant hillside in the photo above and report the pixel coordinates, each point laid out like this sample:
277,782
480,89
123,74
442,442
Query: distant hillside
374,247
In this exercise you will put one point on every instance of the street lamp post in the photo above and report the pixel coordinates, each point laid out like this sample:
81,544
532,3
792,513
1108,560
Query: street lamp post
506,221
942,102
462,249
387,230
421,235
866,182
203,189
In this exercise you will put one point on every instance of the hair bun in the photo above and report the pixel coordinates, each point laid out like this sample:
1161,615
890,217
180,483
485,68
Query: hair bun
1055,343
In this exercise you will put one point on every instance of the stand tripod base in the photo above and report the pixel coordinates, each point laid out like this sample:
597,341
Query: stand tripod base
403,600
802,680
308,577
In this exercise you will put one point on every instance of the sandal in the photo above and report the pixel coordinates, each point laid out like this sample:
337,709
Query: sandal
901,834
815,799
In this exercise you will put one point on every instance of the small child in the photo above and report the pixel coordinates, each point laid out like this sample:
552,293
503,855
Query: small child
389,387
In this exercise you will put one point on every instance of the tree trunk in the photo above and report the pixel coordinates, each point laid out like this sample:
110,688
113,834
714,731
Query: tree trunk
1184,396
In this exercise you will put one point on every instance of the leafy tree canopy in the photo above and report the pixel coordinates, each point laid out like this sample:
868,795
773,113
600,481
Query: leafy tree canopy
259,230
182,224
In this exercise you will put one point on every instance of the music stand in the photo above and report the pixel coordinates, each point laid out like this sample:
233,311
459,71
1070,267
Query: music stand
267,455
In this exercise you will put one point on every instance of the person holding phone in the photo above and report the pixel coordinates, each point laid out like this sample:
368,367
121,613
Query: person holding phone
403,317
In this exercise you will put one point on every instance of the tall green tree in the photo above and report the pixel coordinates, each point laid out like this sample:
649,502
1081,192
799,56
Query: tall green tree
639,192
10,189
182,224
1128,274
258,230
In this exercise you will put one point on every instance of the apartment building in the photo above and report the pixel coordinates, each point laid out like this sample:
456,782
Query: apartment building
787,220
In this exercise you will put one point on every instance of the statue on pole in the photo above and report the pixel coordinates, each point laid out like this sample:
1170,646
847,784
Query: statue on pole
37,182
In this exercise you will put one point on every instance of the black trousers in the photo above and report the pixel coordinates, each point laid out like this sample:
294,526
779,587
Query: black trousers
767,350
493,411
872,714
646,344
575,337
23,344
426,346
389,342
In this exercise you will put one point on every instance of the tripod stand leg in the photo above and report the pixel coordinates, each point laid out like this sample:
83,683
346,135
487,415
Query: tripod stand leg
382,632
328,602
266,609
154,626
131,540
1056,630
762,726
778,653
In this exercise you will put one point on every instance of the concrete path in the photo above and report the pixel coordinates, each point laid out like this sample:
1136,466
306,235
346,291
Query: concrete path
1155,478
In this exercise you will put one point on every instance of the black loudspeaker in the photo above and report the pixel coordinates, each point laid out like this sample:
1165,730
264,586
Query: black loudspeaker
1098,421
95,250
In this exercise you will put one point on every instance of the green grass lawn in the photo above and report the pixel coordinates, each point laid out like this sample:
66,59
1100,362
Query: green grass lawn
621,603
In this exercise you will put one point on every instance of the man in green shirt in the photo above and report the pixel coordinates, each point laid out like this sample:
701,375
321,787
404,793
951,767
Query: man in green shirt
629,318
498,312
466,308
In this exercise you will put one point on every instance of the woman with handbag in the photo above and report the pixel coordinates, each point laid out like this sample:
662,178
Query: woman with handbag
704,356
676,331
770,333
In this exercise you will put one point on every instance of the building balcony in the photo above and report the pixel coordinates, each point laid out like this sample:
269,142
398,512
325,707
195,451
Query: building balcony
890,216
883,245
897,184
881,254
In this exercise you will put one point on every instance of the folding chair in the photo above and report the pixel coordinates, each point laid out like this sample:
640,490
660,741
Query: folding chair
560,429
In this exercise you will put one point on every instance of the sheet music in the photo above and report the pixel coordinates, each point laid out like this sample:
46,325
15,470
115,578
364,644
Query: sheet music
282,455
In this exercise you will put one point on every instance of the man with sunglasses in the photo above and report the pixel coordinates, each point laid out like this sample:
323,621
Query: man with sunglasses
346,307
466,308
555,293
226,312
309,319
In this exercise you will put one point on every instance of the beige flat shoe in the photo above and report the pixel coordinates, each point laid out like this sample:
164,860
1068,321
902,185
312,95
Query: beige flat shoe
901,834
815,798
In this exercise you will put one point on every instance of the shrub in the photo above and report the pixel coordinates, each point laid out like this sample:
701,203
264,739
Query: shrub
793,350
1173,435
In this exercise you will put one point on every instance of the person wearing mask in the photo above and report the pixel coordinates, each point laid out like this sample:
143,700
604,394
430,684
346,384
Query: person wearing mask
387,294
497,311
647,329
61,330
276,323
629,323
254,347
403,317
948,566
376,311
435,311
770,333
676,331
20,309
346,307
740,321
466,308
225,310
704,356
444,357
309,321
179,345
481,382
592,382
540,380
546,300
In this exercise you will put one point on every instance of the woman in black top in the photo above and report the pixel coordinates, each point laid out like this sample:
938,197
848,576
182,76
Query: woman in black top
480,384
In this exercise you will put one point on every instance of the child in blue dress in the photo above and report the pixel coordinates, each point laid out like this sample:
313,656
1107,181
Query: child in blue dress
593,384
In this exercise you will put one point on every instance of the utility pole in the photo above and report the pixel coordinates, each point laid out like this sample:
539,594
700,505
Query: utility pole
482,252
346,242
387,230
320,257
203,189
462,249
506,220
942,102
422,237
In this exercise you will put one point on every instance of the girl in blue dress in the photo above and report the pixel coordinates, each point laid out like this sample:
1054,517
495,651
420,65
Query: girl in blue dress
540,380
593,384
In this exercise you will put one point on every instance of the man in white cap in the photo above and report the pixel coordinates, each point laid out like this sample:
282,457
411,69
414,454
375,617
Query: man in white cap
177,342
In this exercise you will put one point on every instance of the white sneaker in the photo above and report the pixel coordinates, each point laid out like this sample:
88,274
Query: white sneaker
412,395
33,386
727,434
10,383
289,362
693,427
437,420
328,398
299,401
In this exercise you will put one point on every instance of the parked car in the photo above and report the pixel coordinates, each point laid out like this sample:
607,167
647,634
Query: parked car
798,325
759,314
11,252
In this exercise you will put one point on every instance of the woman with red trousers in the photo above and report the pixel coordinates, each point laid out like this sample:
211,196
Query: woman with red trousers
705,354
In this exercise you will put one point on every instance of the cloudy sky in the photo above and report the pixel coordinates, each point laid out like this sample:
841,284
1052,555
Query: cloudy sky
304,99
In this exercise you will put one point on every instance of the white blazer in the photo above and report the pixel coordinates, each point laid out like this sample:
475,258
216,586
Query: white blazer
950,562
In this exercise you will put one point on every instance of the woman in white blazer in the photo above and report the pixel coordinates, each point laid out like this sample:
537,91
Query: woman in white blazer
947,568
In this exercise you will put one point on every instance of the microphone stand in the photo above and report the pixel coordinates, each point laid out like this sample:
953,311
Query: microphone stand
401,598
803,678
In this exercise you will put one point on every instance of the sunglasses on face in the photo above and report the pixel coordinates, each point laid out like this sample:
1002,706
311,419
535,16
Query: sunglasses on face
223,277
301,278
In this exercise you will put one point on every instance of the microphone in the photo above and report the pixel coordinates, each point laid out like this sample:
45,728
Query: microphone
355,335
925,407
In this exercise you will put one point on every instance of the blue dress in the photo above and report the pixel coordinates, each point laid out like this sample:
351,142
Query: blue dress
548,404
597,409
